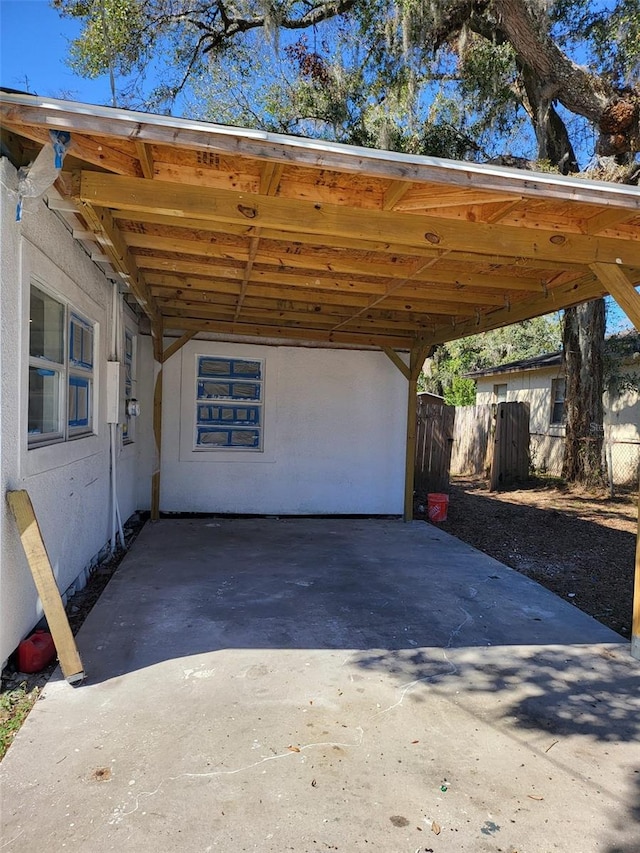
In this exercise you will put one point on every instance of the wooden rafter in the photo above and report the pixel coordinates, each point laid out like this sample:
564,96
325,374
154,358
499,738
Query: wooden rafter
253,248
390,289
146,159
101,223
394,192
270,177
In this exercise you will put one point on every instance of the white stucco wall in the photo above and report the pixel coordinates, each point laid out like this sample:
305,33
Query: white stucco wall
68,482
334,437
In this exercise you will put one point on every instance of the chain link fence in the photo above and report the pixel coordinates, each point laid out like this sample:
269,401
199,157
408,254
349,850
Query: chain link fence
622,461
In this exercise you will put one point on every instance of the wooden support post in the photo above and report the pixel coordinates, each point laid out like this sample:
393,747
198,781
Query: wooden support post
635,620
45,582
621,288
410,459
157,432
418,355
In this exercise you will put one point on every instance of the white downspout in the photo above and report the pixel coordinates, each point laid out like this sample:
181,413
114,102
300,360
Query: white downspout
116,520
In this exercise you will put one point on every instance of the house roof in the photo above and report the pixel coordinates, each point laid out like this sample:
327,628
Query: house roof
549,359
239,232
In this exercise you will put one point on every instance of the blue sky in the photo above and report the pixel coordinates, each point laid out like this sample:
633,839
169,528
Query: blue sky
33,45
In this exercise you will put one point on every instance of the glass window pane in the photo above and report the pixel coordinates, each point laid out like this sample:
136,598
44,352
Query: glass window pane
46,332
80,343
44,401
79,402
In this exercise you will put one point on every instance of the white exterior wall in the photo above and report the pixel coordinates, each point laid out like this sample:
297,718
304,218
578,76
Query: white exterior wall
334,436
68,482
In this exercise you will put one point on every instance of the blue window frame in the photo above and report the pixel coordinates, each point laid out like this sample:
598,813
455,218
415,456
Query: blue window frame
229,401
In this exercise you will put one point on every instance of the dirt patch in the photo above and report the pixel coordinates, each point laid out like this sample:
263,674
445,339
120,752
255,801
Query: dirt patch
579,545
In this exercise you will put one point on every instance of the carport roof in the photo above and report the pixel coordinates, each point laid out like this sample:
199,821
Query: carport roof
245,233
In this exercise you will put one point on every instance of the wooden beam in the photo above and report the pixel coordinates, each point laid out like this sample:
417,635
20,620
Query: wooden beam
621,288
177,345
220,259
304,238
126,193
418,298
274,316
44,579
399,363
188,304
366,340
146,159
112,242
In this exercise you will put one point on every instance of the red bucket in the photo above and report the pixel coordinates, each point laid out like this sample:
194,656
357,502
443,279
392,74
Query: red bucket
437,505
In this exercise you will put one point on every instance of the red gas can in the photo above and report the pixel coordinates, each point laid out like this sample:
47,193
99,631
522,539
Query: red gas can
36,652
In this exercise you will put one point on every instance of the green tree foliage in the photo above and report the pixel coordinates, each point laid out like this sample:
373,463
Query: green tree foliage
444,372
465,78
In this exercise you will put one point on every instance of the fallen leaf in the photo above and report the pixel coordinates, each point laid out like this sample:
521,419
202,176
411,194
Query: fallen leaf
294,748
435,827
415,741
314,784
534,797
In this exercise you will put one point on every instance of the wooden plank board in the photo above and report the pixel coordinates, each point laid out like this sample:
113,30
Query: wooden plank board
125,193
44,579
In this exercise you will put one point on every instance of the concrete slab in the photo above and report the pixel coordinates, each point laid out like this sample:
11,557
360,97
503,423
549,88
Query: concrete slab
310,685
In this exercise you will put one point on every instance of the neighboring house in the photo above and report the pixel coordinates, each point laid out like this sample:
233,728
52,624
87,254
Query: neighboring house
540,381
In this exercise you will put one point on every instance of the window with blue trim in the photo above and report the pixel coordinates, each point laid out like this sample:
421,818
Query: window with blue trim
61,354
229,403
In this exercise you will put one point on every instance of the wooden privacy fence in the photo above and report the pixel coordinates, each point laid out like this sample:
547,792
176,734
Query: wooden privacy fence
434,441
490,441
472,449
510,462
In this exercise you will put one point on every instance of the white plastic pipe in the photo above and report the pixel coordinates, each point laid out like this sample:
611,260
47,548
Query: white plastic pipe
116,520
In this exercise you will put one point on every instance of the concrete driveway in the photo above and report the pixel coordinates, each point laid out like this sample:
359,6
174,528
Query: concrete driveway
330,684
